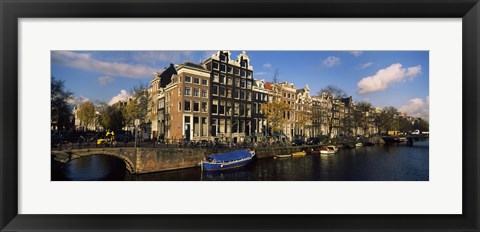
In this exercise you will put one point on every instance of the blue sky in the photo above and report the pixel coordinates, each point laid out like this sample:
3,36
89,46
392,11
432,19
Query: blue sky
384,78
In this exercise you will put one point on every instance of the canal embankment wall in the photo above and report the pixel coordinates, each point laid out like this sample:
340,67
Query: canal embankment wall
147,160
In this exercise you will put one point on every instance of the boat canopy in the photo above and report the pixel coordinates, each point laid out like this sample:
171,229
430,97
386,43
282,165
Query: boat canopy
230,156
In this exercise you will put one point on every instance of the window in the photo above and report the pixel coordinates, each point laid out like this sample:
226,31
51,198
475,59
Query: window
229,93
244,63
249,75
237,71
196,106
242,83
242,73
214,106
222,79
249,85
204,93
204,107
204,131
242,110
215,65
187,91
242,95
222,126
229,81
221,108
223,68
204,82
249,96
236,95
215,90
222,91
229,126
215,77
229,69
179,106
237,109
237,83
223,58
249,110
228,110
187,106
188,79
179,92
196,80
196,92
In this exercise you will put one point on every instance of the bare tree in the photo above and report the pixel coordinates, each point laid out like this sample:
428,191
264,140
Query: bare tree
276,74
333,92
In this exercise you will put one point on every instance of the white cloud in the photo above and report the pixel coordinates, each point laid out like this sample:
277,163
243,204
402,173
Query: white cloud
122,96
386,77
260,73
77,100
356,53
152,57
366,65
85,62
267,66
105,80
417,107
330,61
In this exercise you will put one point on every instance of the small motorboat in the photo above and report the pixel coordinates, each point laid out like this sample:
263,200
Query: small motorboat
299,154
328,150
283,156
358,144
229,160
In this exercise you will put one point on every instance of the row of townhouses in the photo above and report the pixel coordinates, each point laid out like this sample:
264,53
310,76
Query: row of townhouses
219,99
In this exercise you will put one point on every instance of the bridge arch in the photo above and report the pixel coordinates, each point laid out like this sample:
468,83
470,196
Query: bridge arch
127,158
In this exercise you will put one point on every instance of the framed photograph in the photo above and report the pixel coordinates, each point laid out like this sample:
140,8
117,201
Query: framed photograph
224,115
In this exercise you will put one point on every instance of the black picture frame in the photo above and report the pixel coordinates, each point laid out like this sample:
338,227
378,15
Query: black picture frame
11,11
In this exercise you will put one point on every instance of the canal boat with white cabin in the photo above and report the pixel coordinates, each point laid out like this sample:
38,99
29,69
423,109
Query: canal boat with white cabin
228,160
328,150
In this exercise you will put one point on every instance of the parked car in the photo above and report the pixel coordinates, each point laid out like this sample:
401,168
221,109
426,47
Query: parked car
298,141
416,132
313,141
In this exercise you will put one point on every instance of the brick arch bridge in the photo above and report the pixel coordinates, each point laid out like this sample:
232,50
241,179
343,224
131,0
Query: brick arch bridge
140,160
128,155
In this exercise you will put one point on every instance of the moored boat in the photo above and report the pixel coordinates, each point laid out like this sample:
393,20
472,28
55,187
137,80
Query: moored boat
229,160
299,154
358,144
283,156
313,151
328,150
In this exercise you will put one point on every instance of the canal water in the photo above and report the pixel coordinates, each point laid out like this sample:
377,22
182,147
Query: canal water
374,163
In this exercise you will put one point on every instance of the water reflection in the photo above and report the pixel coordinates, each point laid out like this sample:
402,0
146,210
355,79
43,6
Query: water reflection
376,163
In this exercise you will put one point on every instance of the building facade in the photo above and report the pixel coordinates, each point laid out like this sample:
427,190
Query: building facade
231,96
187,103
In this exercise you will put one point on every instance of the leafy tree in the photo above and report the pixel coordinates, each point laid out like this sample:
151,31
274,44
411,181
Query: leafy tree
138,106
387,120
112,117
274,113
421,124
305,117
333,92
361,116
59,106
86,113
